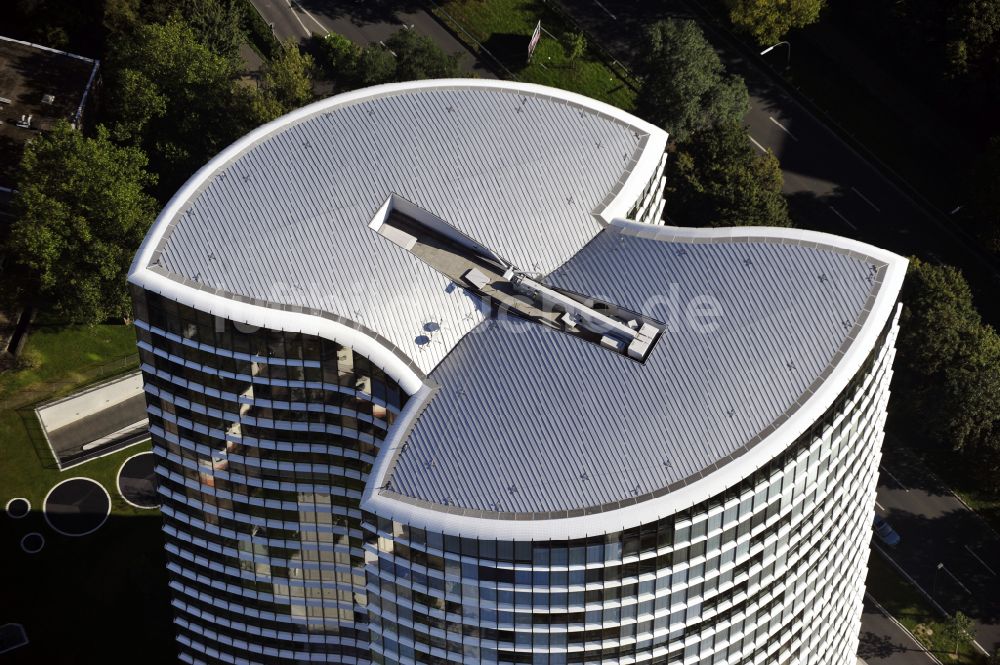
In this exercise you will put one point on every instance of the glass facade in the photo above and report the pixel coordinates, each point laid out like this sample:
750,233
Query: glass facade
769,571
265,440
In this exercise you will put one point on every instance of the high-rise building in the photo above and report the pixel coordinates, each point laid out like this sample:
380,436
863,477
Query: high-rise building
429,381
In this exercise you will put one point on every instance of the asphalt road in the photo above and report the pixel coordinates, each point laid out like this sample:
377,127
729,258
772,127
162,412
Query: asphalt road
936,528
883,642
363,22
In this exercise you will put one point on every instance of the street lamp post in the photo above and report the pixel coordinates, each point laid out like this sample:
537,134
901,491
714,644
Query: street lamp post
788,63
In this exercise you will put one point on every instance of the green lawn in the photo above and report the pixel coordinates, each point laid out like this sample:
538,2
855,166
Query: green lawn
72,355
102,597
504,27
909,607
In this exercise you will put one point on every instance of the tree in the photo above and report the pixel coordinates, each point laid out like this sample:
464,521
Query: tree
288,77
285,85
216,24
418,57
969,412
949,368
718,179
939,319
81,211
959,629
974,38
405,56
684,83
339,57
767,21
576,45
172,95
376,65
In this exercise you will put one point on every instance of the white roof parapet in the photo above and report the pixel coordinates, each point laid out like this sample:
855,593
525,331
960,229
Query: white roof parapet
254,224
458,520
278,231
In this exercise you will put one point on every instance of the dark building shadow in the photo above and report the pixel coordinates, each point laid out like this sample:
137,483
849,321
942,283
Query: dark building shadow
97,598
510,49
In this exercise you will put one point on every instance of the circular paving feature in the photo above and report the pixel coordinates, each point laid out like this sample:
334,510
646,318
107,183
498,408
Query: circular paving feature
137,481
33,543
77,507
17,508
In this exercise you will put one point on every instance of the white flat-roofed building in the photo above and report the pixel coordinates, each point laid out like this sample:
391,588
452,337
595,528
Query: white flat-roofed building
429,381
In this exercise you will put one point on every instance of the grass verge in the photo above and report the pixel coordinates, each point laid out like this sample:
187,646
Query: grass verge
503,28
911,609
60,358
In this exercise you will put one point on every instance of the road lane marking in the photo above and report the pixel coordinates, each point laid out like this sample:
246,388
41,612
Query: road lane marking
307,31
952,576
846,221
865,199
613,17
880,506
895,479
307,13
902,628
757,144
783,128
976,557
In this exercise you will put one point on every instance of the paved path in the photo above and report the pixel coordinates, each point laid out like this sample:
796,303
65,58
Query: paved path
363,23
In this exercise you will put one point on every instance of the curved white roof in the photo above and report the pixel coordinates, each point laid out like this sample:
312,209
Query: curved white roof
515,430
281,218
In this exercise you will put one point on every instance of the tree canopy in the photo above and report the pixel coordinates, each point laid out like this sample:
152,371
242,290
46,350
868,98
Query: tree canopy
172,95
285,83
949,368
718,179
939,319
406,56
958,629
182,102
973,45
376,65
767,21
418,57
81,211
968,414
338,57
216,24
685,87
